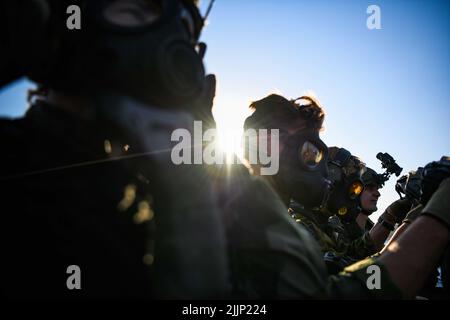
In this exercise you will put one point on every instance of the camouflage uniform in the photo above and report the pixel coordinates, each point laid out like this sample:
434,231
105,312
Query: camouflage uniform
273,257
341,243
74,193
101,216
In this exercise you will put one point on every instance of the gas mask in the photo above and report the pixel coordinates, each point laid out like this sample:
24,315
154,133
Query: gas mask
347,186
146,49
303,170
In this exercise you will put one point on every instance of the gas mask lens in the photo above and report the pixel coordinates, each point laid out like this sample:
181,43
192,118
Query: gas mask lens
355,189
132,13
310,155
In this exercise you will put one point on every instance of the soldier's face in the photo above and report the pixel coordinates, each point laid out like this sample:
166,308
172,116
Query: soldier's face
303,167
369,198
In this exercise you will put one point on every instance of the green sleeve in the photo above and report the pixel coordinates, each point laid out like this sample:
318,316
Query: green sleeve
361,247
358,282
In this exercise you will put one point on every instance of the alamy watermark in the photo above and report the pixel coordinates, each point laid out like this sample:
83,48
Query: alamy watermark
260,146
74,279
374,280
73,22
374,20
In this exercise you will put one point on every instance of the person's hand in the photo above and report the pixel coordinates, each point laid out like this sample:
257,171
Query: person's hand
397,211
413,214
439,204
432,176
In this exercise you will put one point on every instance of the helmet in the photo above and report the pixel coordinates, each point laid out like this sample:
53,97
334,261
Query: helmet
345,173
371,177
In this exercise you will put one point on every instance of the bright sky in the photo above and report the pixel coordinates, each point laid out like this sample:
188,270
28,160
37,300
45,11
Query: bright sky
383,90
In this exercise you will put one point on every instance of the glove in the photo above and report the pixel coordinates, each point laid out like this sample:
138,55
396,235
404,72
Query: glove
439,204
433,174
413,214
397,211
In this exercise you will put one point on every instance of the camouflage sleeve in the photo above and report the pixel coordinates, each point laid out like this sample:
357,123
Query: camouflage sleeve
339,253
271,256
348,253
326,243
361,247
366,279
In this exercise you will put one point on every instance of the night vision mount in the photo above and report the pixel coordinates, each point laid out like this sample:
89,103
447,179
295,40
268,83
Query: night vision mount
388,163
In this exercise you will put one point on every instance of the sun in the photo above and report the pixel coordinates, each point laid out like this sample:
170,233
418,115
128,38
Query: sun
230,140
230,130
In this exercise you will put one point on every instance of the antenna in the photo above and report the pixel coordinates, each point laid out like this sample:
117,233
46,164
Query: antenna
211,2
